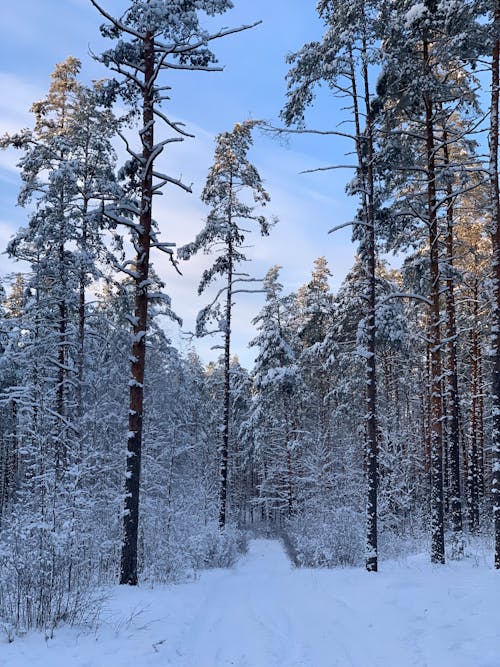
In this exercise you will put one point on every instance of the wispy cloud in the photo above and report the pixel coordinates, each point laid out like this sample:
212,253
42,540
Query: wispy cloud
35,35
16,100
305,213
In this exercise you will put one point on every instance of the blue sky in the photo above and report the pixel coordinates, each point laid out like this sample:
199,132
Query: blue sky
35,35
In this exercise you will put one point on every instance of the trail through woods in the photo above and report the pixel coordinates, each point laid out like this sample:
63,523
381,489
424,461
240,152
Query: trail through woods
266,613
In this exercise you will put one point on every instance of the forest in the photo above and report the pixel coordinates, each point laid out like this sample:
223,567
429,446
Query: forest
367,428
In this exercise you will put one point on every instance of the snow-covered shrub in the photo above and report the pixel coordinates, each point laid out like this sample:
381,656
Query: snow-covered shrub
43,583
396,545
333,539
212,547
190,546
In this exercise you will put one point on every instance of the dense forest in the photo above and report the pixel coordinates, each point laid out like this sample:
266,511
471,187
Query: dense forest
369,425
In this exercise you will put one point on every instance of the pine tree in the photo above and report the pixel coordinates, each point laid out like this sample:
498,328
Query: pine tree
9,446
71,142
153,37
231,175
342,60
313,323
271,427
66,173
495,239
423,85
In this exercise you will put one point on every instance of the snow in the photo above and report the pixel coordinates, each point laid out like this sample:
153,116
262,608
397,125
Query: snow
265,613
414,13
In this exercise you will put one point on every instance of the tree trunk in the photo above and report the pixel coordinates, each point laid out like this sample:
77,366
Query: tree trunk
495,239
455,493
437,511
473,486
289,483
224,455
128,574
480,424
81,319
365,154
371,376
61,445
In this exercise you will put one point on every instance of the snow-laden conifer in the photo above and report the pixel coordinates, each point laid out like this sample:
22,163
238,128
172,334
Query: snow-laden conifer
494,142
342,60
424,85
66,171
152,38
271,428
231,182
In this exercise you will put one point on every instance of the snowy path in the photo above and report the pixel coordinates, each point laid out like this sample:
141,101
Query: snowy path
264,613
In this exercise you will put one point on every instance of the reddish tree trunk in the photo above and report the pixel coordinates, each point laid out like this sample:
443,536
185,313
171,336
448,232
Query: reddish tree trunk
495,239
128,574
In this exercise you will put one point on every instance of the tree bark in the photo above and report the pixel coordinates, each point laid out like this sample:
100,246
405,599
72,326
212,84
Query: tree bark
455,493
371,375
365,154
224,455
61,444
81,317
480,423
128,574
495,239
473,481
437,510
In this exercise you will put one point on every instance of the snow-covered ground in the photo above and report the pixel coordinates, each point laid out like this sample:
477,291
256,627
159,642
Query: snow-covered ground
264,613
